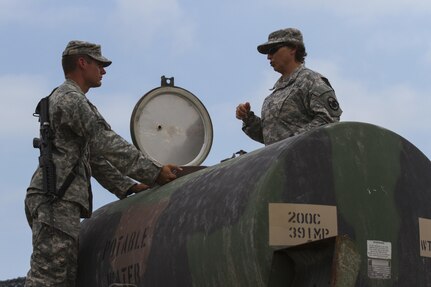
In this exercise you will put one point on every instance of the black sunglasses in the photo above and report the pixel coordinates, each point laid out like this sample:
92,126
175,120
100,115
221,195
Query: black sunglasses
274,49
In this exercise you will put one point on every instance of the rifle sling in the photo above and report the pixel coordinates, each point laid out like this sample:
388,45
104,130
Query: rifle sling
67,182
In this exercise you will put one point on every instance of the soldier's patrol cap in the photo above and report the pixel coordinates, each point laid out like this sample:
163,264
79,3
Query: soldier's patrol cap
86,48
289,35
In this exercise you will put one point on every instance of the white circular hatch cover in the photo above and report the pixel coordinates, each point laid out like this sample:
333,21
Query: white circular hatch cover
171,125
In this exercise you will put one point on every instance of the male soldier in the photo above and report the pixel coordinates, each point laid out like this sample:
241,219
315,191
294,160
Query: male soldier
83,146
301,98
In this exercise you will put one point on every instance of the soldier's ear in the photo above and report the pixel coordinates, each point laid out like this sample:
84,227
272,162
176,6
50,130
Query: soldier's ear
81,62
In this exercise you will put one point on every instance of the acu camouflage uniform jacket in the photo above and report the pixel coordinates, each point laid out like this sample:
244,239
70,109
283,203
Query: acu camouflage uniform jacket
84,138
298,103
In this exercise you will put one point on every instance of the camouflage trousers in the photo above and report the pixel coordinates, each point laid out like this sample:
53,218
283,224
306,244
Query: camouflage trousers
55,229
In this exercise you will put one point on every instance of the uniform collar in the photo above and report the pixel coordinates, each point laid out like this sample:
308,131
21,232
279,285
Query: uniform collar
286,81
74,84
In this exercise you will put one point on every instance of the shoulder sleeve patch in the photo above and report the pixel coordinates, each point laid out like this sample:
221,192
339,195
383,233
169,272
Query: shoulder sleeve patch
325,95
333,103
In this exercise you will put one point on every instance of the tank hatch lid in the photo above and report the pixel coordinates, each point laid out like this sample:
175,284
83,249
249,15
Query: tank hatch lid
171,125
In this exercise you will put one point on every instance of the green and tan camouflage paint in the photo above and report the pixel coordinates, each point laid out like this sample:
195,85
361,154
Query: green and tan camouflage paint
211,227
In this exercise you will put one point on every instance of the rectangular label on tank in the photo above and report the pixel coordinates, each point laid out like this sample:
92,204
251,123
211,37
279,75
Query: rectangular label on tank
379,249
425,237
379,268
293,224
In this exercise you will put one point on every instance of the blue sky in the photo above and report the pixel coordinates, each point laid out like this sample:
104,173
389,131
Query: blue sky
376,54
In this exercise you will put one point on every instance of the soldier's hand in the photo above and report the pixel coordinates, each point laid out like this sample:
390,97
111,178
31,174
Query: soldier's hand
138,188
167,174
242,110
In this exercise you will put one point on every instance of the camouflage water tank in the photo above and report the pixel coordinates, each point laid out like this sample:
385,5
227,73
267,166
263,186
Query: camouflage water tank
228,224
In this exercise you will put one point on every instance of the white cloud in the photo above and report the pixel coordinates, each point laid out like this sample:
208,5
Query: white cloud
362,10
140,22
400,108
41,13
20,95
10,10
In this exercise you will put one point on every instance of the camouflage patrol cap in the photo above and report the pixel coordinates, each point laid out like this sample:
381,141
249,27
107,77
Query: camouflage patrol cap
85,48
289,35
